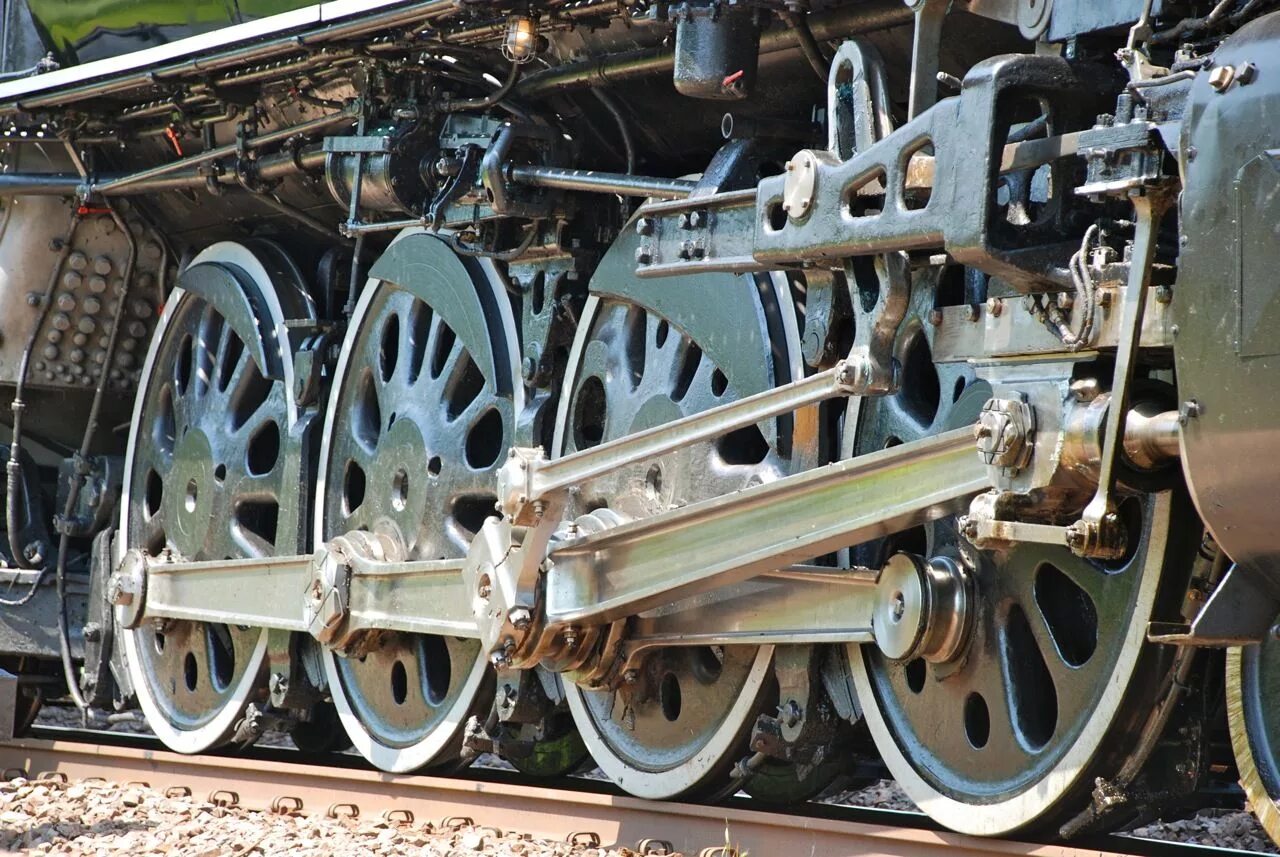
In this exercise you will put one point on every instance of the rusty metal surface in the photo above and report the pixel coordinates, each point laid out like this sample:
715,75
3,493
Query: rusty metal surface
545,812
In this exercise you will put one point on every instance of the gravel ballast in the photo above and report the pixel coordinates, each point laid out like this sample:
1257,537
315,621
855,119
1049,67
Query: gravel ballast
98,819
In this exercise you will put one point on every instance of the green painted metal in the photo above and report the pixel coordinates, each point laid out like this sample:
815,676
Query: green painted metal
84,30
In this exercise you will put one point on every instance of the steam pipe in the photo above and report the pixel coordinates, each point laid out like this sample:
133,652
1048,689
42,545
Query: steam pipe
126,184
843,21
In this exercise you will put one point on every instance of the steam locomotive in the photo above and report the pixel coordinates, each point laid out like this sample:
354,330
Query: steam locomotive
724,393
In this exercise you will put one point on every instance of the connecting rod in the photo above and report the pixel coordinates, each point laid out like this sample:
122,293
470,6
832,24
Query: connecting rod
360,582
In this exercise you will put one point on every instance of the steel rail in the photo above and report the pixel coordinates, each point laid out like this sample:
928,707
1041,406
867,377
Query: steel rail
551,813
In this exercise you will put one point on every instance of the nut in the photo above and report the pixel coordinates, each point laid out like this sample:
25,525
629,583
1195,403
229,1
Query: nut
1221,77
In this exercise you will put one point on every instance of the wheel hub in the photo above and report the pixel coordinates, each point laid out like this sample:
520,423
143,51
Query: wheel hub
922,608
189,502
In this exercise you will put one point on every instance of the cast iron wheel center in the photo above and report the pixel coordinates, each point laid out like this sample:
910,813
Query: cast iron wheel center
206,480
636,369
995,738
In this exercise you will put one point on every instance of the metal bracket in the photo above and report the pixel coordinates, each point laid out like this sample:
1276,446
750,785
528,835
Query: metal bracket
1241,610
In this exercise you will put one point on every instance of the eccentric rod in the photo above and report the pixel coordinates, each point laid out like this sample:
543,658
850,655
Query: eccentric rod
524,481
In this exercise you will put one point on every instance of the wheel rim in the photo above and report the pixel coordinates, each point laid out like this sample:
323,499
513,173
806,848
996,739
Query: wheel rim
414,432
631,369
205,478
1006,738
1253,691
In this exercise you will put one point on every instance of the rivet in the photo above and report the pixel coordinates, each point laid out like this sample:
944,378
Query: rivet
102,265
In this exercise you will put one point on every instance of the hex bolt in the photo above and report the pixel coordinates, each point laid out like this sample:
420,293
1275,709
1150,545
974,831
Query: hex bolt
971,312
630,676
1221,77
1189,410
696,219
644,255
1065,300
995,306
935,317
1164,294
1245,73
520,618
644,226
683,220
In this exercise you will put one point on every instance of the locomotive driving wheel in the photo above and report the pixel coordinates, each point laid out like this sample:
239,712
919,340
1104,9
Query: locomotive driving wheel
206,479
1056,677
638,362
1253,688
423,406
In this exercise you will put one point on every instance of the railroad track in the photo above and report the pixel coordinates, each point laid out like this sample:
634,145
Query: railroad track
282,779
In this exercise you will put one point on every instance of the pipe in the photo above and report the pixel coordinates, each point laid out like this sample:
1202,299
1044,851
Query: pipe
125,184
808,44
454,106
624,131
256,142
842,21
73,493
590,181
13,468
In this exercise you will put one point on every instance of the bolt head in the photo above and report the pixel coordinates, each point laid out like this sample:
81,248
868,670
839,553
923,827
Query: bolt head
1221,77
520,618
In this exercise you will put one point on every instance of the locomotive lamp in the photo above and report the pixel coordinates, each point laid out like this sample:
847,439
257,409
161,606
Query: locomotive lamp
521,42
